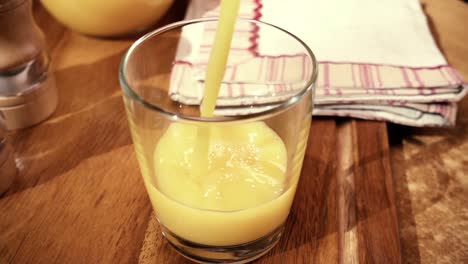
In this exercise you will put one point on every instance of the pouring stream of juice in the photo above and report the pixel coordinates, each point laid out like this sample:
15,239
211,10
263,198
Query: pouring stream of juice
219,55
214,76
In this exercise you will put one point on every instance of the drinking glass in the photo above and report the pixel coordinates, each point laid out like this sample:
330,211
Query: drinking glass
222,186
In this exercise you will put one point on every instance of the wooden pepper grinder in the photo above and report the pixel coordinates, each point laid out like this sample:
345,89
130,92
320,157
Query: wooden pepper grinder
27,89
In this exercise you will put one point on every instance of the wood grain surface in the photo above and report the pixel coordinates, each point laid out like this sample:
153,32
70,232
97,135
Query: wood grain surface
430,166
79,196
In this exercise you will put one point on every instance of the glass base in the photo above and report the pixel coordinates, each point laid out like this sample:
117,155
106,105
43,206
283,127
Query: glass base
236,254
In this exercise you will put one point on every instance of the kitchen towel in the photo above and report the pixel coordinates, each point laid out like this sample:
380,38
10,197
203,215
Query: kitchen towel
376,60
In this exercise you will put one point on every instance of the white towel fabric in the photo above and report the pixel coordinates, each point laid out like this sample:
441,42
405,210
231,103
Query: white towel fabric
361,31
377,60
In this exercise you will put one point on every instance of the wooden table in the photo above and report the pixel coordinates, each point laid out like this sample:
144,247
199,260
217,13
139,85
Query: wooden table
79,197
430,166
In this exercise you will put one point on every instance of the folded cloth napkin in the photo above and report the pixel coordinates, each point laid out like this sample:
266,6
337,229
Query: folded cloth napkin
377,60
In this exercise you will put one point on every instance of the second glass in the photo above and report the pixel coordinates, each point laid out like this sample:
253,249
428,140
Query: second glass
221,187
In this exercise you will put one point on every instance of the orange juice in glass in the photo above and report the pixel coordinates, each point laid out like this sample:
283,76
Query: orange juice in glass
221,185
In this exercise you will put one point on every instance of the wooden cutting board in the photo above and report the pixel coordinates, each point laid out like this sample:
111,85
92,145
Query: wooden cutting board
344,210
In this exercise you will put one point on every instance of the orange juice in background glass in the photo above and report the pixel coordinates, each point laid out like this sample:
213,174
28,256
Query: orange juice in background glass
221,186
107,17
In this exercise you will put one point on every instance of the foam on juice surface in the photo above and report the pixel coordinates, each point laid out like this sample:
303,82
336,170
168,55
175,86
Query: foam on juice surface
246,165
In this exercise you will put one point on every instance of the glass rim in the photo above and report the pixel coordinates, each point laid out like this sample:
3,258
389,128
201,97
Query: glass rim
276,109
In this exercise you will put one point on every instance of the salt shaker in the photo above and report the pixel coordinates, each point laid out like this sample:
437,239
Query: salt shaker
27,88
7,164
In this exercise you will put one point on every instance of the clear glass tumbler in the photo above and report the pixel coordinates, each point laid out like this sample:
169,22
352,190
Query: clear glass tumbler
221,187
